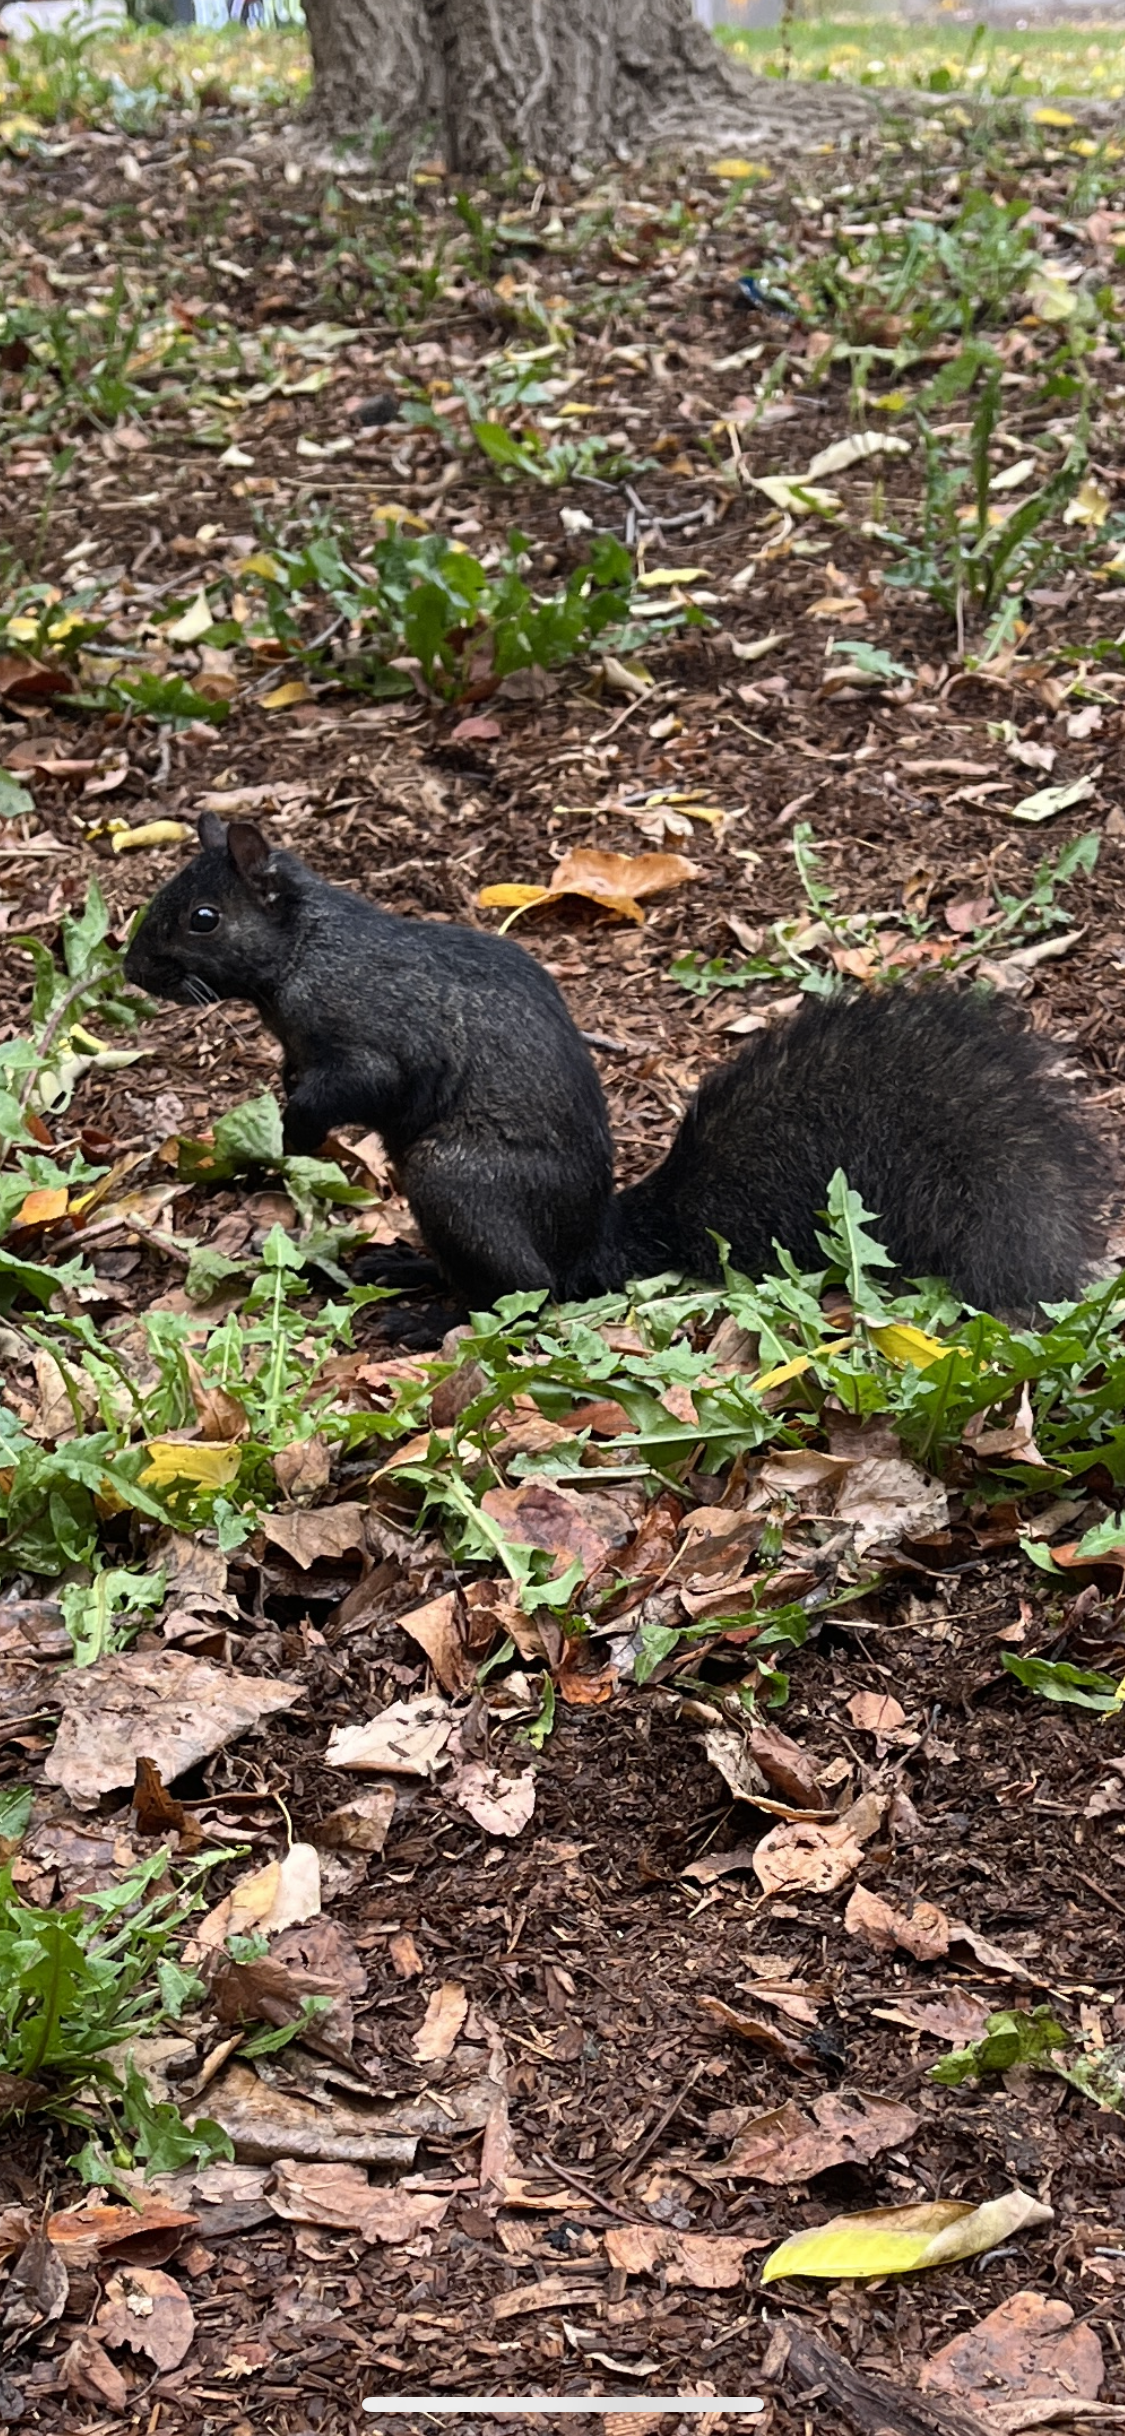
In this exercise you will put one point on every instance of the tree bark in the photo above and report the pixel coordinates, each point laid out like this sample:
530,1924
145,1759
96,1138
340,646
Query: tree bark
561,84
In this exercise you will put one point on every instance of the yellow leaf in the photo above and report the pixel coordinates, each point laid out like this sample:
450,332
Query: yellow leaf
510,892
66,625
654,577
197,619
1049,117
178,1464
626,679
1090,505
736,168
796,495
910,1347
783,1373
283,695
151,833
260,564
41,1207
388,511
1050,296
897,2241
22,629
892,402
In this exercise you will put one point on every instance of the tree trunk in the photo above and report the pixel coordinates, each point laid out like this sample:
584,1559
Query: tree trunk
561,84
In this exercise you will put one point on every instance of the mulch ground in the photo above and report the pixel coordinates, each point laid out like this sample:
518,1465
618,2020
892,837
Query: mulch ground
582,1941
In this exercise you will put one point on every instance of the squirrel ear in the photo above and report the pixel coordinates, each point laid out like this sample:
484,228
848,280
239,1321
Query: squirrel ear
211,830
249,851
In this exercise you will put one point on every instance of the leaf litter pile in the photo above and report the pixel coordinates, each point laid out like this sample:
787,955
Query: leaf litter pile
590,1863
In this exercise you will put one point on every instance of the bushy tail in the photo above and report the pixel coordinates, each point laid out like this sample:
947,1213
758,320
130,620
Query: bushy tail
945,1112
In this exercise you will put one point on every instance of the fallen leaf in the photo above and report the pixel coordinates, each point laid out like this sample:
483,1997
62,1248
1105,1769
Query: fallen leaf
361,1825
266,2122
756,650
444,2022
303,1468
176,1709
788,2146
800,1857
500,1805
175,1463
87,2370
198,618
887,1499
476,731
795,495
617,882
1048,800
146,2309
924,1932
575,1526
876,1712
42,1206
708,2262
958,2018
437,1630
156,1811
858,445
406,1961
899,2241
1029,2345
284,696
317,1532
149,833
406,1739
342,2196
266,1899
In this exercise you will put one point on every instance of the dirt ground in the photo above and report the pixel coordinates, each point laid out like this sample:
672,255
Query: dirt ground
585,1952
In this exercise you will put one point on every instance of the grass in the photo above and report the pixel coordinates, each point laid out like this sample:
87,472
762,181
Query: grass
989,62
61,75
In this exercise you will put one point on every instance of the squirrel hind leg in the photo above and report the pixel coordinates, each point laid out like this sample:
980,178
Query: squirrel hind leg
398,1265
473,1220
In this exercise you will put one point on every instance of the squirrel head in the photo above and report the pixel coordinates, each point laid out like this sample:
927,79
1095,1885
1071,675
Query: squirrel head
223,926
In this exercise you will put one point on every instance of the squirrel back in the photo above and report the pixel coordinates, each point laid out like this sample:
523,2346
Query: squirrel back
944,1112
455,1045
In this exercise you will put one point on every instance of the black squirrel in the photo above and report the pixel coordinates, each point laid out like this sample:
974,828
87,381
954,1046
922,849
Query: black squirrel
941,1107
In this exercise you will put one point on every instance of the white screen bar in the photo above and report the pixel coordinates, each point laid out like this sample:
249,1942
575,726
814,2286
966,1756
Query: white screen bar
559,2406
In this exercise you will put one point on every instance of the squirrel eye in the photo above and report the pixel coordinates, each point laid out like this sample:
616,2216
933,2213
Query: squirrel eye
203,917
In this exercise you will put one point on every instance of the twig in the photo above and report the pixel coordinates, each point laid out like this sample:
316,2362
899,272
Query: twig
649,695
107,1227
635,2157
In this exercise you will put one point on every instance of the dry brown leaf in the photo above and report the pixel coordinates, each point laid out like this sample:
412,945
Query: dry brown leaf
405,1959
341,2195
788,2146
801,1857
266,1900
436,1628
876,1712
787,1766
406,1739
886,1499
146,2233
709,2262
1029,2346
925,1932
500,1805
315,1960
616,882
87,2370
265,2123
221,1416
146,2309
158,1813
320,1531
175,1708
758,2033
303,1468
958,2018
574,1525
444,2022
361,1825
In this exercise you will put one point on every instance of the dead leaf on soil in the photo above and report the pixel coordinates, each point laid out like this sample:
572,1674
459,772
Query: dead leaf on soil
574,1525
318,1960
887,1499
176,1709
876,1712
158,1813
444,2022
146,2309
361,1825
436,1628
500,1805
924,1932
957,2018
86,2369
616,882
708,2262
802,1857
341,2195
1028,2347
267,1900
406,1739
777,2042
146,2233
266,2123
789,2146
322,1531
899,2241
303,1468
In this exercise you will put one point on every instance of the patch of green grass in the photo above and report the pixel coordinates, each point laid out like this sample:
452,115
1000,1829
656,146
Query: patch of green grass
72,74
990,63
